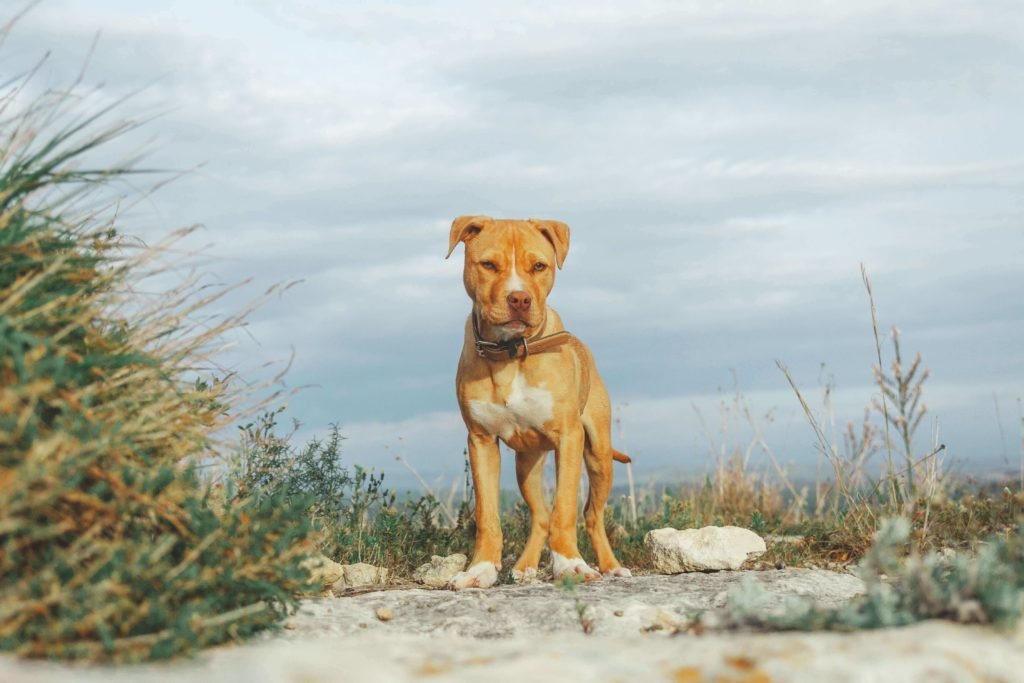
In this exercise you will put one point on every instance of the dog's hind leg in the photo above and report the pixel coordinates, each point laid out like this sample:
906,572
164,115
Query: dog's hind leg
597,456
599,472
530,474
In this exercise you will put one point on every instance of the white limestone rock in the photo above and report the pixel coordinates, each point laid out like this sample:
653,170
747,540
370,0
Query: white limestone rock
360,574
440,570
323,570
712,548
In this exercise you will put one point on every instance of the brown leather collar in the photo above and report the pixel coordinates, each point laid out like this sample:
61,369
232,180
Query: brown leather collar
519,347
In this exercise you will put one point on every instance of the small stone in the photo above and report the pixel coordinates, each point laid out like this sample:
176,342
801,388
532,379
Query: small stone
618,612
440,570
711,548
780,565
970,612
290,625
663,620
385,614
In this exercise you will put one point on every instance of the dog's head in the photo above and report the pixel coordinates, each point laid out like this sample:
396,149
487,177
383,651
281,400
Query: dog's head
510,268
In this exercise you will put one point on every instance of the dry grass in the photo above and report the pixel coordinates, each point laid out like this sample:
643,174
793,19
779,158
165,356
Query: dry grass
110,546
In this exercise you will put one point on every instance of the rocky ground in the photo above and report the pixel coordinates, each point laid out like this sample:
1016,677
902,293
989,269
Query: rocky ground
639,629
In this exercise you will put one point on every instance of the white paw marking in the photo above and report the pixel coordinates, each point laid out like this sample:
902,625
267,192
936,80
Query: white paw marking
564,566
480,575
525,408
529,575
618,572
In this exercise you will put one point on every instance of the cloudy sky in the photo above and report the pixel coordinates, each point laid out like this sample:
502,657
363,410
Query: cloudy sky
724,167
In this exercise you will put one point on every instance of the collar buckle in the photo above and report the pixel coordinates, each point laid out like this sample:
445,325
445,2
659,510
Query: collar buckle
509,346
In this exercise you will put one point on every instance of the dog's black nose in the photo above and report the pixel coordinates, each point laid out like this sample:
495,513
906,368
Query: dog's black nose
519,301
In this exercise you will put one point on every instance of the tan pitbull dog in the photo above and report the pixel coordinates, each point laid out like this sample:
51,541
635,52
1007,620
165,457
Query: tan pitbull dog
524,380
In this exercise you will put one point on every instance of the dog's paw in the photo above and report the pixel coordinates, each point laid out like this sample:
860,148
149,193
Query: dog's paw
572,567
480,575
617,572
528,575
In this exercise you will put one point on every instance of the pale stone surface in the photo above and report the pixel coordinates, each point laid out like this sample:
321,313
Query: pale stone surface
712,548
542,607
440,570
532,632
360,574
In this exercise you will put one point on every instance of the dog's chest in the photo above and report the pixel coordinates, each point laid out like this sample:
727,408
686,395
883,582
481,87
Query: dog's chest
517,407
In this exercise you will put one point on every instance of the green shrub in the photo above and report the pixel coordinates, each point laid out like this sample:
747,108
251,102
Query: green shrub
355,517
110,546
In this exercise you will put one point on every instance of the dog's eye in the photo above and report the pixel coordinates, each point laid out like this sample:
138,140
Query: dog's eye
538,266
489,265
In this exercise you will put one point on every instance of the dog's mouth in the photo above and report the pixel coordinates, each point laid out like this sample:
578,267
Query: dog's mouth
506,318
515,322
508,327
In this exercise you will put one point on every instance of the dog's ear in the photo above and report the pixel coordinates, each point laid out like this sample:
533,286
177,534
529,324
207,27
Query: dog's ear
464,228
557,233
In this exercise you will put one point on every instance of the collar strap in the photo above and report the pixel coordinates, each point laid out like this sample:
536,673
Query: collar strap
519,347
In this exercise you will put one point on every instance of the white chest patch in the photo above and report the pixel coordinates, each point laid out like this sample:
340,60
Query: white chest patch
525,408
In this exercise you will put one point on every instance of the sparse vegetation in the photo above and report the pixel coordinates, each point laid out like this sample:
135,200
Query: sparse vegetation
354,516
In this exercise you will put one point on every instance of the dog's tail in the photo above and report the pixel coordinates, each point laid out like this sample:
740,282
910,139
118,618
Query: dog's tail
620,456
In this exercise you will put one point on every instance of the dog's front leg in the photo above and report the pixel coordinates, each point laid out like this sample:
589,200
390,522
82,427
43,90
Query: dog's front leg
565,554
485,462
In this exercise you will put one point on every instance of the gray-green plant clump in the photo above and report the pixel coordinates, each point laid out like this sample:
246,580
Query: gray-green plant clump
984,587
110,545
